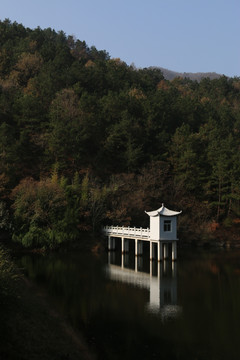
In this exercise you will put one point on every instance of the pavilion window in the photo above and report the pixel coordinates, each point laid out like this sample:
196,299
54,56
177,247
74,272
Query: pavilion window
167,225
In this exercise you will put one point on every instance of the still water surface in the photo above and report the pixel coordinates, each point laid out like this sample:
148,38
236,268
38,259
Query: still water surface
132,309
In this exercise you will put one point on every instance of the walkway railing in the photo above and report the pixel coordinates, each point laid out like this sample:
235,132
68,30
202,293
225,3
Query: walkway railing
127,231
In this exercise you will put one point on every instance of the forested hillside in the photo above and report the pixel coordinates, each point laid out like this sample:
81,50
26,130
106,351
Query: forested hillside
86,140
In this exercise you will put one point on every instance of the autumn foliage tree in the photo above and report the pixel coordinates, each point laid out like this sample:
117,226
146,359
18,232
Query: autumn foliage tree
133,139
38,213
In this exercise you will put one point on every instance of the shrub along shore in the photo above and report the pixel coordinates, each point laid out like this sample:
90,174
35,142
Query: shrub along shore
29,327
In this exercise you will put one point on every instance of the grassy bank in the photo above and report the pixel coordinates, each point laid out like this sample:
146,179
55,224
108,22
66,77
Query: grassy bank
29,327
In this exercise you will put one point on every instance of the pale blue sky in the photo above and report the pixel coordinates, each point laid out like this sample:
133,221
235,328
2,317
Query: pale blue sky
181,35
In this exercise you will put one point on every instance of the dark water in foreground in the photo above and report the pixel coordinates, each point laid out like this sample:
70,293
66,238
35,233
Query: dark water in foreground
128,310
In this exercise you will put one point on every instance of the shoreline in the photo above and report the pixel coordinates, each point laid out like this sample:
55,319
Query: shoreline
32,328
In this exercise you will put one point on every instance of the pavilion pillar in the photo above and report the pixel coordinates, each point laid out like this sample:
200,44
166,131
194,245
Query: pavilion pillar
138,247
165,251
159,269
123,248
165,267
160,251
125,245
174,250
111,243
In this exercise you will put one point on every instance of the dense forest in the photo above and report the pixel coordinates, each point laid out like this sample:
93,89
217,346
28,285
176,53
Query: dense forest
87,140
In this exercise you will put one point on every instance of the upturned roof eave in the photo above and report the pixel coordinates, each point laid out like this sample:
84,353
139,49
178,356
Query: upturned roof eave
163,211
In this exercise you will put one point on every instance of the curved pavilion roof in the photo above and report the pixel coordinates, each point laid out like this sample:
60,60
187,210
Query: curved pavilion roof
163,211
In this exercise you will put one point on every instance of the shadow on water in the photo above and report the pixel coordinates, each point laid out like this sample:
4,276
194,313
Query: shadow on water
130,307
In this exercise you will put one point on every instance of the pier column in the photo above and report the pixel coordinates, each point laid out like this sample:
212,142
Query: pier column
123,248
122,261
165,267
111,243
138,247
165,251
160,251
159,269
125,245
174,250
151,252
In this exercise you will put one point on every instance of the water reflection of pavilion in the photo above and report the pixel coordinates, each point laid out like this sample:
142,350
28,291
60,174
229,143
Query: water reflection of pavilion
161,281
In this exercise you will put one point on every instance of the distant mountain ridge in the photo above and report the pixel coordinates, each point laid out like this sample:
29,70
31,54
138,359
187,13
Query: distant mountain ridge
170,75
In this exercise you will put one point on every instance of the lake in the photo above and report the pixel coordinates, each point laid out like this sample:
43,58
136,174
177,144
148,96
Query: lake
131,308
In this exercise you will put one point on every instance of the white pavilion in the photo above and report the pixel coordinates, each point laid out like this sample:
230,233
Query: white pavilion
161,235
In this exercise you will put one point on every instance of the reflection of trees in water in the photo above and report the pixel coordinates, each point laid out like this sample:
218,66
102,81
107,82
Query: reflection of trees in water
68,281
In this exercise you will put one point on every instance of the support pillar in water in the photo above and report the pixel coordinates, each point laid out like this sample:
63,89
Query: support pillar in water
165,251
125,245
138,247
151,250
174,250
160,251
